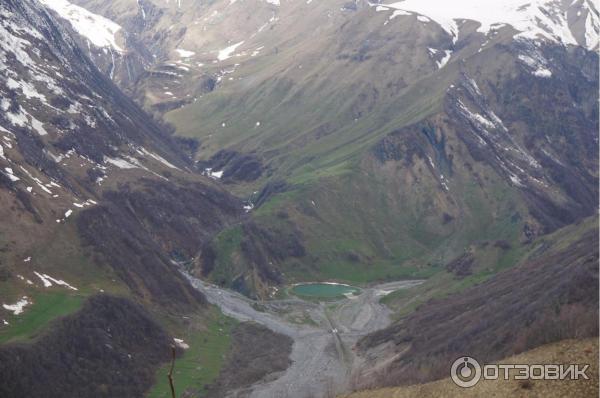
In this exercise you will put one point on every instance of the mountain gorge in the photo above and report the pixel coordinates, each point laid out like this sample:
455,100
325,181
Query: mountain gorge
257,144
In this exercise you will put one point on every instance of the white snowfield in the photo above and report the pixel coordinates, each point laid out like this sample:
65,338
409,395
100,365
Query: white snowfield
534,19
16,308
100,31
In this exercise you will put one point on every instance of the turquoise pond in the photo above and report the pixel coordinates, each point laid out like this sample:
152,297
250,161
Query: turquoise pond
323,290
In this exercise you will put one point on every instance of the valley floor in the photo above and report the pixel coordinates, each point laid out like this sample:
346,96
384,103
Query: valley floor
323,334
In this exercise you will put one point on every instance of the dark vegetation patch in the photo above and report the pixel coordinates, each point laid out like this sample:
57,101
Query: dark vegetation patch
21,197
502,244
164,107
269,190
549,298
461,266
136,230
5,273
94,174
109,348
447,218
208,258
261,247
256,352
251,251
188,145
32,148
415,140
236,166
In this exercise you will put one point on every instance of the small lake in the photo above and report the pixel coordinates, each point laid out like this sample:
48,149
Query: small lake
324,290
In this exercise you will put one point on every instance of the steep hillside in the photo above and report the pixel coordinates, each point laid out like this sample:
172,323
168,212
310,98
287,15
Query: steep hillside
99,201
76,151
568,351
550,296
53,366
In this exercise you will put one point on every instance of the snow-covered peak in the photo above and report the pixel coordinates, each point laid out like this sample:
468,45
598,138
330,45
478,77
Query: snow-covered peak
552,20
100,31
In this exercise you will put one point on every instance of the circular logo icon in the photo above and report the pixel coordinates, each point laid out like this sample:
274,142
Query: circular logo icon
465,372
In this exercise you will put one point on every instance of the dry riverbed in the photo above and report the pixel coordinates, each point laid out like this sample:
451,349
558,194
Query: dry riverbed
323,335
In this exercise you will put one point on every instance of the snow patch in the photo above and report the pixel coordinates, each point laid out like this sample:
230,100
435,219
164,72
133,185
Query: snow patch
213,174
535,61
100,31
516,180
185,53
181,344
10,174
28,90
16,308
592,29
442,62
479,120
534,19
228,51
120,163
47,280
158,158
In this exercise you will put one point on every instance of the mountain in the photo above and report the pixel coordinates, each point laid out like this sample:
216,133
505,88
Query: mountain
98,199
378,140
74,147
160,159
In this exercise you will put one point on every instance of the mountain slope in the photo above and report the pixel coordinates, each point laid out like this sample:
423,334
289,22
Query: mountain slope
99,201
568,351
391,135
551,296
398,164
71,138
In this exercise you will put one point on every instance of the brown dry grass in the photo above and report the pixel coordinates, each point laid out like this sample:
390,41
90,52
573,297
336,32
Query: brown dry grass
563,352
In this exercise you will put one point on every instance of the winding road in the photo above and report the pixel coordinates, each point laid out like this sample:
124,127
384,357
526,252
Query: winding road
322,358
